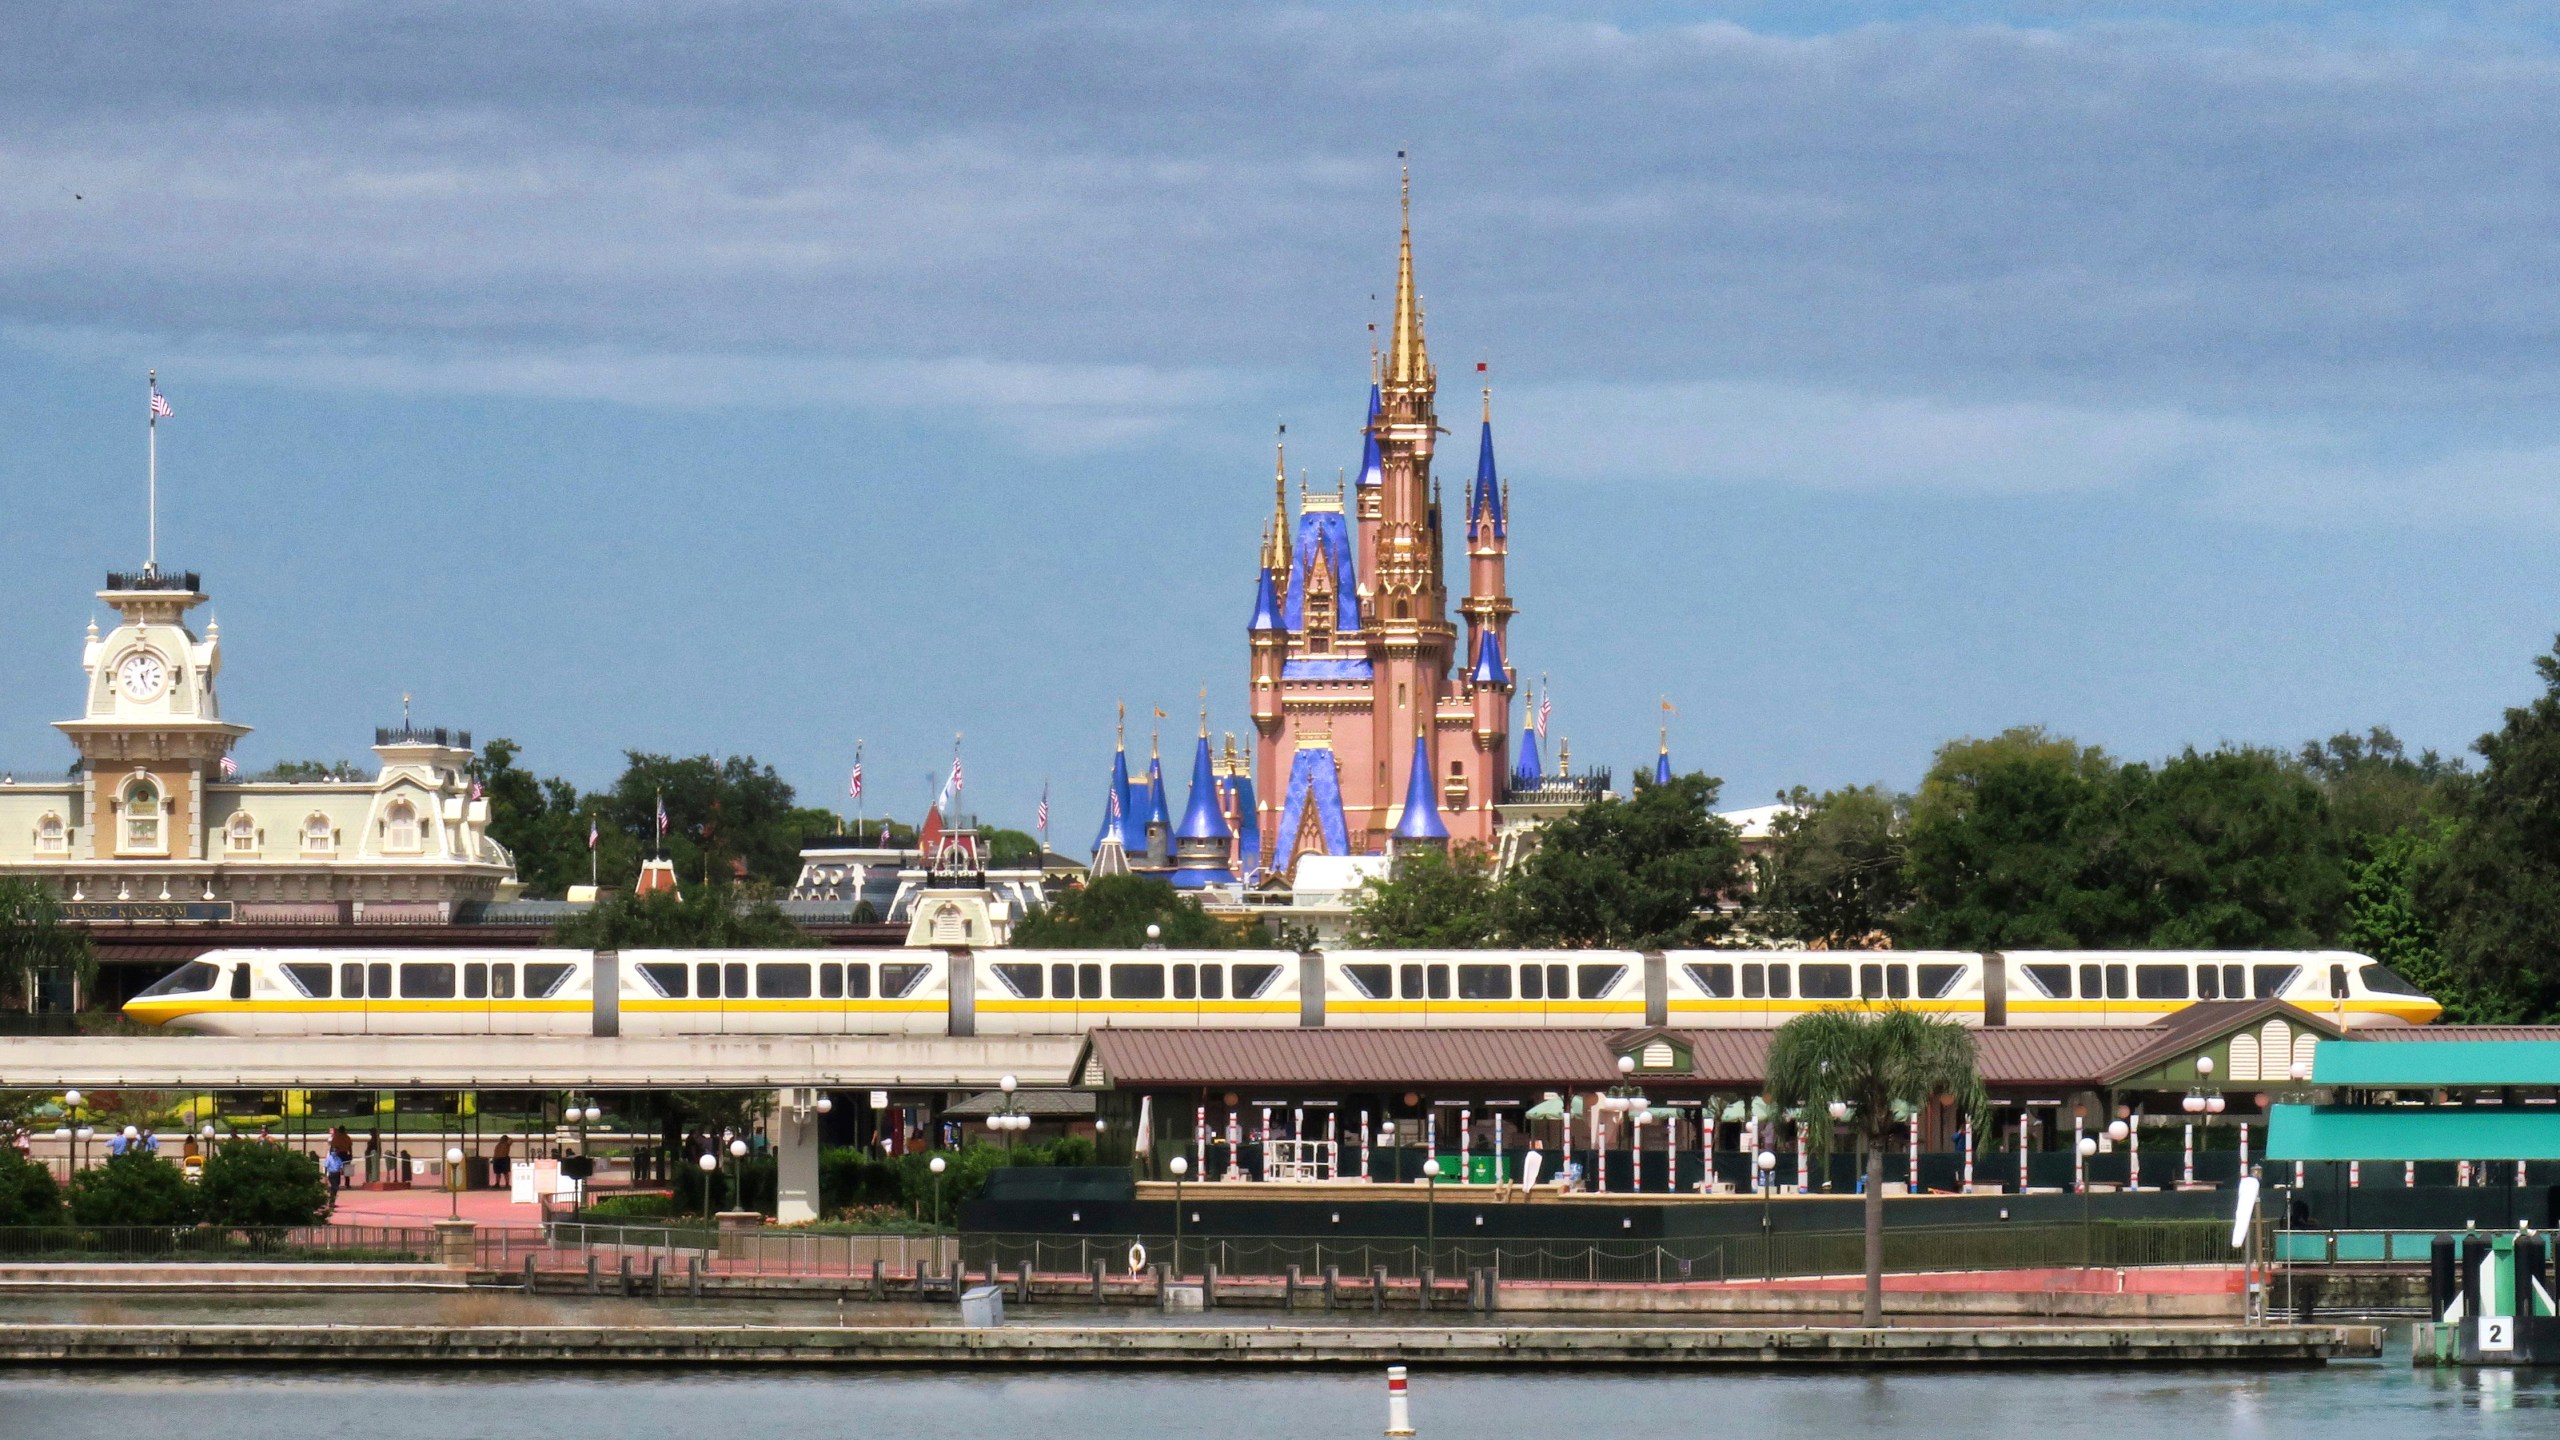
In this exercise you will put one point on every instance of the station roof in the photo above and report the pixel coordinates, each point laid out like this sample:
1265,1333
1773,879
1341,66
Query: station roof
2412,1132
2459,1062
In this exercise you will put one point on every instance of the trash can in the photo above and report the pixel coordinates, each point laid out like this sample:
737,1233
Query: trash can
982,1306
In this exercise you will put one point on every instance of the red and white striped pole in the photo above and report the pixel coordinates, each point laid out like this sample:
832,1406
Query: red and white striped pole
1804,1160
1399,1414
1200,1139
2355,1174
2408,1174
1964,1150
2079,1163
1364,1144
2025,1128
2187,1157
1911,1179
1466,1142
2244,1147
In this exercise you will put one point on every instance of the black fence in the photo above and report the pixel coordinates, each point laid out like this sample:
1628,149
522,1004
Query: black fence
1766,1254
1653,1171
134,1244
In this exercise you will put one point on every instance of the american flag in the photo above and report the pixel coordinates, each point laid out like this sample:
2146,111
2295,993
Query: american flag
476,791
884,834
594,832
1546,707
160,406
230,767
955,770
1043,826
662,817
853,787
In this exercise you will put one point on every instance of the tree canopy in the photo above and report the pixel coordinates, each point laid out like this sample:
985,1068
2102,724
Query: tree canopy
1833,874
35,943
1648,871
1433,900
703,917
2497,884
1112,912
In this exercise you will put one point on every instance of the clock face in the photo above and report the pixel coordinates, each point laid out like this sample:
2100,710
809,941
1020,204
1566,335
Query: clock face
141,674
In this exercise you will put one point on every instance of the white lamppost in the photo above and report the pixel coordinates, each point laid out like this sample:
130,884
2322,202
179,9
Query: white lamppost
1180,1167
936,1166
453,1181
710,1166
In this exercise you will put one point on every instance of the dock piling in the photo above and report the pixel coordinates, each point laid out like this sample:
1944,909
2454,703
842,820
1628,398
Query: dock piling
1332,1287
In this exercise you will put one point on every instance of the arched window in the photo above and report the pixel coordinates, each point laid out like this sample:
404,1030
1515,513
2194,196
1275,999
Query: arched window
241,833
318,837
142,815
400,826
948,926
51,837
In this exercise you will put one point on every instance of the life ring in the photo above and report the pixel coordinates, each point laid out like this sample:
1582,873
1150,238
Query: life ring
1137,1258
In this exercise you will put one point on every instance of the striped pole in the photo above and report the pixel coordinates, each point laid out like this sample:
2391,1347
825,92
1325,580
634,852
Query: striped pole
2297,1174
2355,1174
1501,1152
1332,1147
2133,1136
2023,1129
2462,1175
2187,1162
2408,1174
2244,1147
1708,1125
1911,1182
1804,1161
1364,1144
2079,1163
1964,1151
1200,1138
1466,1142
1399,1417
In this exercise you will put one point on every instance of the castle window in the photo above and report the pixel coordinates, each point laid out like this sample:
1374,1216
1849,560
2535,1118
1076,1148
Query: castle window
400,825
318,838
142,816
51,837
241,833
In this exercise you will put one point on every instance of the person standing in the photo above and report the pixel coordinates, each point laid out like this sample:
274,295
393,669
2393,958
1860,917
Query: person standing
502,1162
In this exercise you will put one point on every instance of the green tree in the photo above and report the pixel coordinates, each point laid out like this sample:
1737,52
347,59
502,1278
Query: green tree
2228,849
2375,789
135,1188
542,820
1433,900
1871,1061
28,1195
313,770
2000,840
35,944
2497,888
1010,849
1833,874
261,1185
728,819
1112,912
2386,920
1649,871
707,917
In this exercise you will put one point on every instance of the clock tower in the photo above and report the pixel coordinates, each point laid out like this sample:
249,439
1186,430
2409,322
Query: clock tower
151,735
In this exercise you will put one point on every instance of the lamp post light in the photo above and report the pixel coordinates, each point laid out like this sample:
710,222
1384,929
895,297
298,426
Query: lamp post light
1180,1167
2087,1147
1766,1163
453,1182
710,1165
738,1173
1010,1119
1431,1212
936,1166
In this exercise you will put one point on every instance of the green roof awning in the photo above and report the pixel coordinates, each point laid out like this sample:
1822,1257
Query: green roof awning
2416,1132
2419,1064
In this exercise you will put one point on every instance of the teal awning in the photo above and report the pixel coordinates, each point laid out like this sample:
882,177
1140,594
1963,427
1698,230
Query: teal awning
2416,1132
2422,1064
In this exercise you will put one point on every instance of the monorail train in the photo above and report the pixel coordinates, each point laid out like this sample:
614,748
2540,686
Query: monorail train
996,992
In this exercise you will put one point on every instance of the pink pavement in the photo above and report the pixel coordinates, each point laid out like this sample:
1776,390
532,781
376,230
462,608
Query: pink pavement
415,1209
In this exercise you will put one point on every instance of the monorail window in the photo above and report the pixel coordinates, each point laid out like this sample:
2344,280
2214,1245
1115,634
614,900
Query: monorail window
2117,981
2383,980
2051,981
1374,982
541,982
1438,978
1023,980
1556,981
1213,982
1822,982
2233,986
857,982
2092,983
897,982
1871,982
791,981
240,981
187,979
2208,982
350,981
377,980
1088,982
1409,981
733,980
1484,982
2338,982
2160,982
1062,981
1186,982
1594,982
426,982
1755,982
1897,982
475,980
1937,982
2268,981
1715,980
502,980
1137,982
706,979
311,980
1533,982
667,980
831,980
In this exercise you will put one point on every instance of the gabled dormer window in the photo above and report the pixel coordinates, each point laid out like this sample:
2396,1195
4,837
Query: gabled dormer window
240,835
400,827
144,825
52,836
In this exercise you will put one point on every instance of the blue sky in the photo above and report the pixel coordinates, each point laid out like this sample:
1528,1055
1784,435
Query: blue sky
751,377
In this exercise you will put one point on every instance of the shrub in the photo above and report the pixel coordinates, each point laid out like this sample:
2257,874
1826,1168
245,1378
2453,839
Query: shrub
135,1188
28,1195
638,1205
258,1184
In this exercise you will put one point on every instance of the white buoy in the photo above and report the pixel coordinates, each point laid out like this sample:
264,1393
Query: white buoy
1399,1417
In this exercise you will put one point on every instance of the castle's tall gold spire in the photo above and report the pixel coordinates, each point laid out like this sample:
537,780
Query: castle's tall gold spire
1275,548
1408,360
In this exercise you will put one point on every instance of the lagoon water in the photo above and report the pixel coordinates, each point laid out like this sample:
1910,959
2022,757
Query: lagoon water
2381,1401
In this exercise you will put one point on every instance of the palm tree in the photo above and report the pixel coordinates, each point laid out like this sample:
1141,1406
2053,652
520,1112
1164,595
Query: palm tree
1855,1064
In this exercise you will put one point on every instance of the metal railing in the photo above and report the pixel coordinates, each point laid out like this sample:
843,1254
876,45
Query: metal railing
138,1244
1907,1249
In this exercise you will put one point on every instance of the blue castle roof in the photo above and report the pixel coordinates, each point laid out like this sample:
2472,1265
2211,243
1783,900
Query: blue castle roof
1326,532
1157,814
1662,765
1313,781
1203,822
1486,502
1528,773
1373,468
1489,668
1115,804
1266,604
1421,818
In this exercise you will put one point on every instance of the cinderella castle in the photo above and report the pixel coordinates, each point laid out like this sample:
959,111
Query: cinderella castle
1379,720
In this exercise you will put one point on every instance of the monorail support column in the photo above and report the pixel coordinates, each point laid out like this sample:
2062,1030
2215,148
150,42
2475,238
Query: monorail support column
795,1155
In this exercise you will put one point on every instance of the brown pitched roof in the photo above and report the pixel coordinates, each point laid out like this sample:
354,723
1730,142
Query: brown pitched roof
2459,1032
2054,1055
1347,1057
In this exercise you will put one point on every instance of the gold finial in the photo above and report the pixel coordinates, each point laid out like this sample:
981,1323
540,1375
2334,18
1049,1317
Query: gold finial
1488,404
1204,712
1275,546
1409,362
1120,728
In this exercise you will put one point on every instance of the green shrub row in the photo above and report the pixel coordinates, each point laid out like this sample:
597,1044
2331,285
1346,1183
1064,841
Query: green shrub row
851,1179
247,1184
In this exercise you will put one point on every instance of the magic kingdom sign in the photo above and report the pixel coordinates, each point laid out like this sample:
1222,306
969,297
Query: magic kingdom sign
157,912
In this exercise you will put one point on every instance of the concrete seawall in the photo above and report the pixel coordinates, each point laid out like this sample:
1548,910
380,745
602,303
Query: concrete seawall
940,1346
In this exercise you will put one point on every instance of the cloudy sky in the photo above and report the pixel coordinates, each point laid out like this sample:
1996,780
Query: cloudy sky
761,377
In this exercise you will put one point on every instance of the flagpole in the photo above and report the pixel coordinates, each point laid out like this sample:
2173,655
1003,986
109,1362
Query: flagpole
152,562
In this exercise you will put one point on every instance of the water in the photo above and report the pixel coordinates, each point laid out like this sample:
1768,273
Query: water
2378,1401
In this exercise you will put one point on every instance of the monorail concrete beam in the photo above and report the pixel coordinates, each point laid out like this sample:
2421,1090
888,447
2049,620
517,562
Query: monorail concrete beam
795,1155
